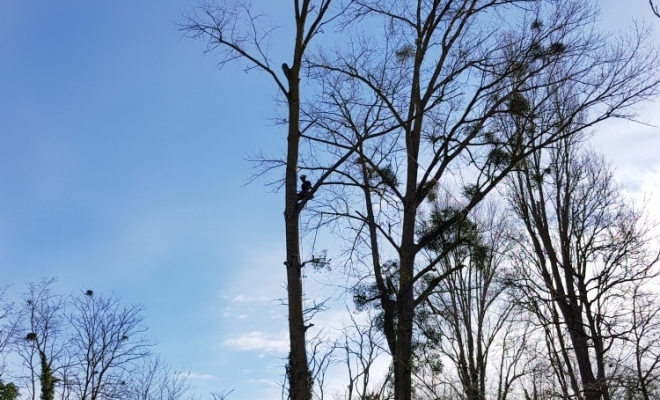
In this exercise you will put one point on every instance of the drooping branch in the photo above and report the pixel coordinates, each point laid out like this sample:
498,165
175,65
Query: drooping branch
654,8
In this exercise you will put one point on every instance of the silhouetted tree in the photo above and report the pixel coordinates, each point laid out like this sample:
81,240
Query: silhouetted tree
41,339
83,347
153,379
586,252
240,33
105,345
454,98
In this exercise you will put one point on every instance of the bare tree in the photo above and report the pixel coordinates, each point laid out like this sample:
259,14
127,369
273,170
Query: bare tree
362,346
637,374
41,339
7,328
588,250
105,344
461,97
240,33
469,314
8,391
153,379
82,347
222,395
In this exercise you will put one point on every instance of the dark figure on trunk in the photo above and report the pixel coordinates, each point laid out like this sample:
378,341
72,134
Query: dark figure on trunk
305,188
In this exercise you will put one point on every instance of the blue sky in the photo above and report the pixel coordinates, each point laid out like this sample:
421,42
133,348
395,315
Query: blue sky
122,169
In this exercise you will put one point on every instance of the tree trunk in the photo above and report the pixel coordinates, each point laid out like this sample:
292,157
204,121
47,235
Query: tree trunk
300,381
405,317
406,300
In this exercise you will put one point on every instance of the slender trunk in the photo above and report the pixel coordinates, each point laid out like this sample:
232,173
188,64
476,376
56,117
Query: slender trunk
405,299
300,381
405,317
386,302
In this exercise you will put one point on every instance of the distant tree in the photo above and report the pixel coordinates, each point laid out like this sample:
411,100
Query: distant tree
41,339
586,253
224,395
361,343
84,347
105,345
7,328
153,379
468,329
644,376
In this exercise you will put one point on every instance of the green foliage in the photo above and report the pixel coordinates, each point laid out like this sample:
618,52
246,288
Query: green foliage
536,50
480,254
427,345
46,379
470,191
8,391
474,129
556,48
462,229
289,376
463,232
366,294
429,190
320,261
488,137
498,157
517,103
372,396
363,295
387,176
406,52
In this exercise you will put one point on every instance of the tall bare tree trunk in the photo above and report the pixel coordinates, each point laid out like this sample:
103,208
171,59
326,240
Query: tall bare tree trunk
298,371
221,26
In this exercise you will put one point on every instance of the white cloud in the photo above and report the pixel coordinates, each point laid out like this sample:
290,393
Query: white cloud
196,376
255,340
249,299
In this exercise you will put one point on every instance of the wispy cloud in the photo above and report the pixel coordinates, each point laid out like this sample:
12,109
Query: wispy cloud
255,340
197,377
249,299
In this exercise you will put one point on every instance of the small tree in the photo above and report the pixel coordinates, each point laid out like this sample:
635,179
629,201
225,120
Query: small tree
41,339
105,345
7,328
466,322
153,379
82,347
645,366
